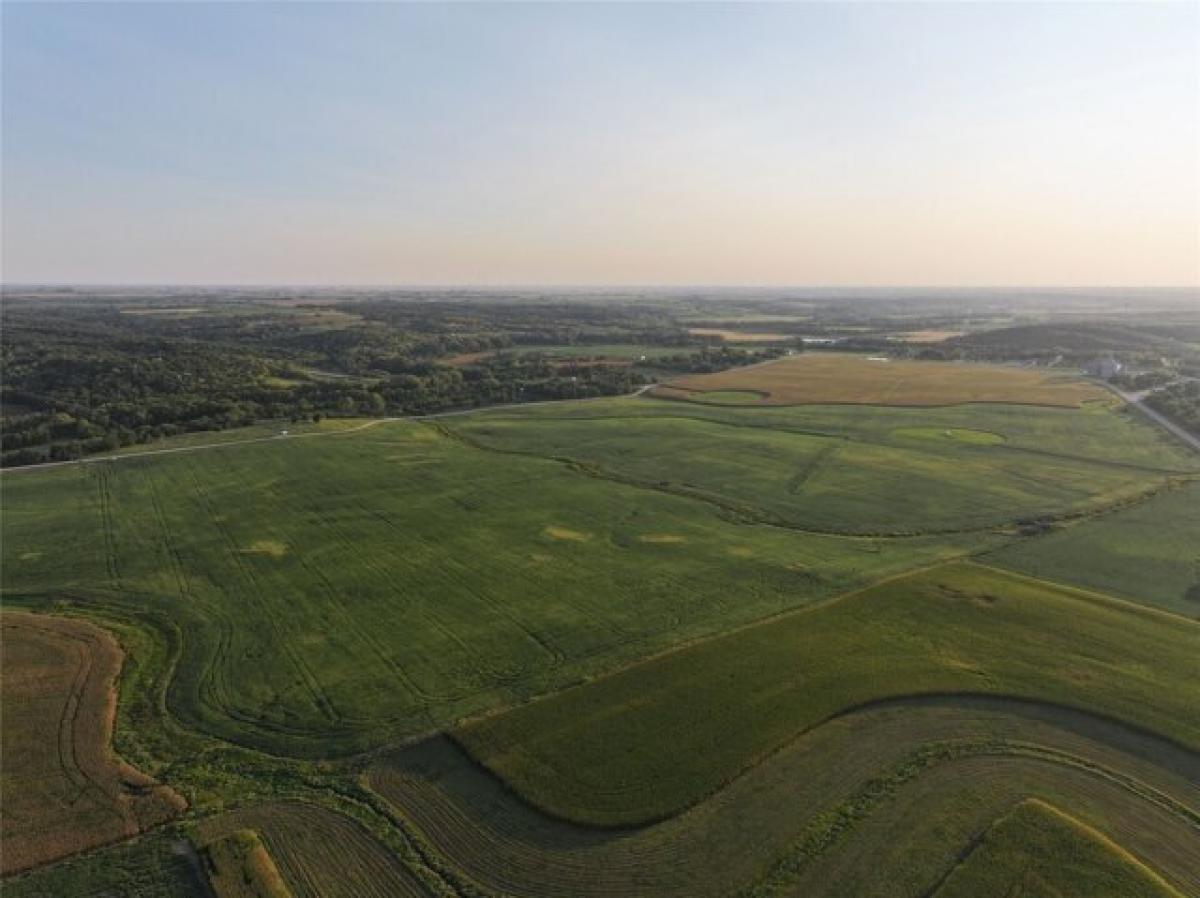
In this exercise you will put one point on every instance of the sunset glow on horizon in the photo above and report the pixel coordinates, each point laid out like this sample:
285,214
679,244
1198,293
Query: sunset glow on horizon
668,144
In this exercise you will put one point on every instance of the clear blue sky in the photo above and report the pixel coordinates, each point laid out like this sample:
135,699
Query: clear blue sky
601,144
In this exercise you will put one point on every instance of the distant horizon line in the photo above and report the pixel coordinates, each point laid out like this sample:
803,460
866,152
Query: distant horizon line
283,285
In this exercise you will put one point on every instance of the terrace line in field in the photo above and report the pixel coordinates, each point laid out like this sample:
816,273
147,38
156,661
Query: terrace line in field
594,754
1041,849
835,806
844,469
313,851
337,593
842,378
64,791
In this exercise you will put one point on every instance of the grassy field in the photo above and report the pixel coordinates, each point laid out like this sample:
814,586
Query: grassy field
1094,433
568,588
156,866
917,838
1039,850
395,579
833,801
837,377
890,471
594,754
63,790
1150,551
239,866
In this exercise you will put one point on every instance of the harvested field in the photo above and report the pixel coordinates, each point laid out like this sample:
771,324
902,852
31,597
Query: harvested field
318,852
463,359
740,336
594,753
739,837
64,790
926,336
841,378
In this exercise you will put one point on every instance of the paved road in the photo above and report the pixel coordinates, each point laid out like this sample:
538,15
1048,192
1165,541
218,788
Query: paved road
95,459
1135,400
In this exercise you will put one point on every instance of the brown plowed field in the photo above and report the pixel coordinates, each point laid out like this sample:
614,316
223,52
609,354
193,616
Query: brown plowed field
815,378
63,788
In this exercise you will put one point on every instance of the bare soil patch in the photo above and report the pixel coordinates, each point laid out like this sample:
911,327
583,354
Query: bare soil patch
737,336
64,789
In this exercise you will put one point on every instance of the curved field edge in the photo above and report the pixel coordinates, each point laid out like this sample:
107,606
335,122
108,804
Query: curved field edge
762,830
65,788
372,548
215,776
592,753
827,481
1040,845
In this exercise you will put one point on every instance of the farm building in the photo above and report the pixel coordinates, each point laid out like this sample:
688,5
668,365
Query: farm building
1105,368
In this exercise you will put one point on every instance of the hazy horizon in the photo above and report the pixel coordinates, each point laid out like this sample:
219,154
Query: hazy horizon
677,146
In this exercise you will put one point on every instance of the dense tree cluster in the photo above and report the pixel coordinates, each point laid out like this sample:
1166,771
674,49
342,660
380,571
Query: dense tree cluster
1145,380
83,377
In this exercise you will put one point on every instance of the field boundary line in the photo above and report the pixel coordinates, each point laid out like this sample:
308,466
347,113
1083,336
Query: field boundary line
1082,592
366,425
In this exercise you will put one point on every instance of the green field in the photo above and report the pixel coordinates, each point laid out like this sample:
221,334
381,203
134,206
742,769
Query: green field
644,648
340,592
1039,850
1148,552
594,754
156,866
881,801
875,470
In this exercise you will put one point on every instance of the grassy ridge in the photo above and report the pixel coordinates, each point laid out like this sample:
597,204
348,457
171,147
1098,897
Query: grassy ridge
334,593
594,754
240,867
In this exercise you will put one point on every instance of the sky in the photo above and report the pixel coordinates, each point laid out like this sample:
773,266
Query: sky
950,144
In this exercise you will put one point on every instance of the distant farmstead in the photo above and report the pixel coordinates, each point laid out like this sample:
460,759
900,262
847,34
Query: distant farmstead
1105,368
